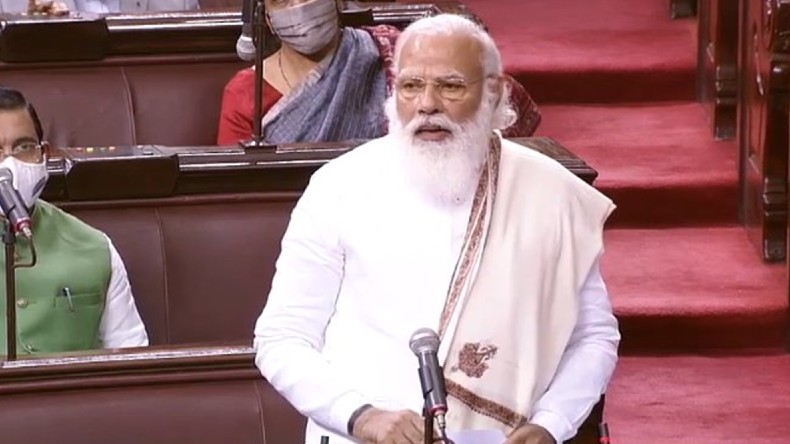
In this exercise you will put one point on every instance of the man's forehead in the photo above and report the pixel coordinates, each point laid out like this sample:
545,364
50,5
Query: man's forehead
16,124
440,55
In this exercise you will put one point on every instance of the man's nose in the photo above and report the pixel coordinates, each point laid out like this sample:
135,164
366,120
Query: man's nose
429,101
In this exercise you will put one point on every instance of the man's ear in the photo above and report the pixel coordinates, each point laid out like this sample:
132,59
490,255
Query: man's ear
498,89
46,148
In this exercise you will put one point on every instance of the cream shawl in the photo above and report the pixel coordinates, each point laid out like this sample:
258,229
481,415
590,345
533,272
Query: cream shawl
534,232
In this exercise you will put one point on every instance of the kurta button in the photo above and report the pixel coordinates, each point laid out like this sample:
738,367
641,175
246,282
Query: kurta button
22,303
30,348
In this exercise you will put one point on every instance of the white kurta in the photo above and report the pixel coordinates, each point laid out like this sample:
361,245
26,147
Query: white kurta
366,261
120,324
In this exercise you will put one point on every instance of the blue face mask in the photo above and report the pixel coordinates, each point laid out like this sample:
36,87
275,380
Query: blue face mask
307,28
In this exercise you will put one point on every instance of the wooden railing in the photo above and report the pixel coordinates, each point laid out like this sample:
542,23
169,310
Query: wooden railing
743,75
717,60
764,69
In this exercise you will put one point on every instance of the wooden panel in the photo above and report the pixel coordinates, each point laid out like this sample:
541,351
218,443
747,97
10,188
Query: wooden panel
211,395
717,55
763,124
149,68
164,395
97,174
198,33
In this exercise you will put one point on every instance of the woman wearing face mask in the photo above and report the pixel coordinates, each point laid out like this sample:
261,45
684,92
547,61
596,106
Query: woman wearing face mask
324,83
327,83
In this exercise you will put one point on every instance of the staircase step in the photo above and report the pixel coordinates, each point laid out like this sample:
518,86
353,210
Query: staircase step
700,400
694,290
657,161
598,51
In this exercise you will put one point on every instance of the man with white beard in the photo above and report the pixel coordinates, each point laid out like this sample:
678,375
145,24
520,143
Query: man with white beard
442,225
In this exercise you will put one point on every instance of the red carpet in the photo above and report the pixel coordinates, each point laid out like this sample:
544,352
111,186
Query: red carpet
615,80
693,289
593,50
700,400
657,161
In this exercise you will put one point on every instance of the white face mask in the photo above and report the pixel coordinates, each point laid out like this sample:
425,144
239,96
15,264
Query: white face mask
307,28
29,178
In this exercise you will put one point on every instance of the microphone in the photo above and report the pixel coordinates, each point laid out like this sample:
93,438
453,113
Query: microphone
245,47
425,344
13,206
603,434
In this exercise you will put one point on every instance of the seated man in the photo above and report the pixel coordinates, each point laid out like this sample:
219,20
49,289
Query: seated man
325,83
77,296
61,7
442,224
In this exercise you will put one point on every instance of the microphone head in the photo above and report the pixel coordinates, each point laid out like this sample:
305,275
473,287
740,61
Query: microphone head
245,48
424,340
6,175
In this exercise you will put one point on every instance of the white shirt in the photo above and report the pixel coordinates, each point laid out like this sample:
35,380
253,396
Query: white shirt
366,261
120,324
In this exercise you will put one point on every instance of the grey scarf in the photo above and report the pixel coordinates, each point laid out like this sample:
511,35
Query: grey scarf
342,99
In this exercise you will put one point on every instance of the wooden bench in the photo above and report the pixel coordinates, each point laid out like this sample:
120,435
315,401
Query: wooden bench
143,79
160,395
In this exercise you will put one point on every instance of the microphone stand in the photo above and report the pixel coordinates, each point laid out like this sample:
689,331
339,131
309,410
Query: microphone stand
9,239
428,424
258,39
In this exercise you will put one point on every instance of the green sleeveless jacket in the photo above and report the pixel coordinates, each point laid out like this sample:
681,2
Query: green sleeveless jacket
73,259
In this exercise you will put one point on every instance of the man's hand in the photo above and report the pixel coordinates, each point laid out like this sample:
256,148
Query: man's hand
376,426
530,434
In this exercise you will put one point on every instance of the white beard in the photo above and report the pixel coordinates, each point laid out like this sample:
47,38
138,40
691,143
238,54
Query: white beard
447,171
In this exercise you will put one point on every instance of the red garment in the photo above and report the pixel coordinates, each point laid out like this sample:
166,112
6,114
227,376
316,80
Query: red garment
235,119
235,122
238,106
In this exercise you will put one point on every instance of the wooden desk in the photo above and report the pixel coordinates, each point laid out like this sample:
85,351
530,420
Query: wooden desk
184,219
195,35
103,173
164,395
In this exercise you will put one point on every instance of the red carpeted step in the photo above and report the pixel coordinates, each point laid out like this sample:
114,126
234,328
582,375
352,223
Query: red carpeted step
594,50
658,162
700,400
693,289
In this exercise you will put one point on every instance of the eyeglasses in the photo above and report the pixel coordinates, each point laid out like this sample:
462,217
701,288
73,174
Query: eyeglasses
449,88
29,152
